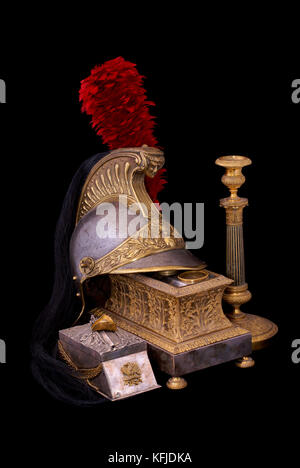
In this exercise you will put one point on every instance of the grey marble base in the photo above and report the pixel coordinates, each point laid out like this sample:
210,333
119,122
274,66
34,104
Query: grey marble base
180,364
126,369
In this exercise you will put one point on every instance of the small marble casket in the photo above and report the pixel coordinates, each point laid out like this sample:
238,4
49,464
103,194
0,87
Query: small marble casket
126,369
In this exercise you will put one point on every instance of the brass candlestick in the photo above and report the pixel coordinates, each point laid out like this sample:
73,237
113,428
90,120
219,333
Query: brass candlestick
262,330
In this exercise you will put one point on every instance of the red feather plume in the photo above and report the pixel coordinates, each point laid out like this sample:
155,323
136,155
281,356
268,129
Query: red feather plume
114,97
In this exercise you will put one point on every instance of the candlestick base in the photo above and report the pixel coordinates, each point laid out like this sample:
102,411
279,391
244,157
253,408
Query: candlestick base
261,329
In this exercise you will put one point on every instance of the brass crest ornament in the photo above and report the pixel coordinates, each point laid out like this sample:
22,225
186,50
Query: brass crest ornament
132,374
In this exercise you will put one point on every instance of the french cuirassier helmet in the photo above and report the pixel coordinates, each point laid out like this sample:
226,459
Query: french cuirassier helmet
110,221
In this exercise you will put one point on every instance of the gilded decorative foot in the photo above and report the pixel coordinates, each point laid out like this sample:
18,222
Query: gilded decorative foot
176,383
261,329
245,362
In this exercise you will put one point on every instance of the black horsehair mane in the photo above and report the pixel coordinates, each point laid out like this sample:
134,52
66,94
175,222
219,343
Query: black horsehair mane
63,308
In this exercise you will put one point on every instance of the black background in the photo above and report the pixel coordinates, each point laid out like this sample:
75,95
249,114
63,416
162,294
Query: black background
213,97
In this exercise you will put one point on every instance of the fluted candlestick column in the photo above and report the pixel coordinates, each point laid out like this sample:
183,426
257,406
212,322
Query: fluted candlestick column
235,259
237,293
